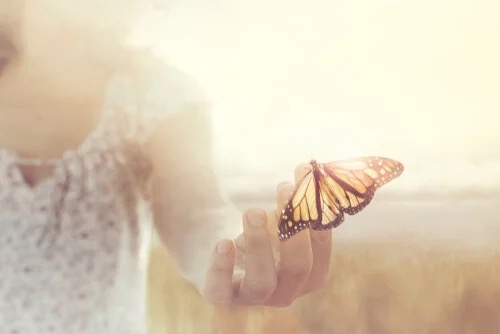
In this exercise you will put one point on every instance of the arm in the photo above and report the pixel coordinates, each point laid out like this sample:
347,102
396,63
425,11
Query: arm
190,210
210,239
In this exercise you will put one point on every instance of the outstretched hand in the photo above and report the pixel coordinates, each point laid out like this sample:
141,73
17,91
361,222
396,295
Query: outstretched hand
257,269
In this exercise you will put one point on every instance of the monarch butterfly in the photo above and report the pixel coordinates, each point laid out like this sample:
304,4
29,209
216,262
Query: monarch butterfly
328,190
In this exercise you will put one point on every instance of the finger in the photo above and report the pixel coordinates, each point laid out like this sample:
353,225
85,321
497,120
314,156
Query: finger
294,269
218,285
259,281
283,193
301,170
295,254
239,260
295,262
321,245
272,224
240,242
285,189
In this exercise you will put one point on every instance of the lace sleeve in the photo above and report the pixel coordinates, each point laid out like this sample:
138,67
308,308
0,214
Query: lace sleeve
170,92
145,100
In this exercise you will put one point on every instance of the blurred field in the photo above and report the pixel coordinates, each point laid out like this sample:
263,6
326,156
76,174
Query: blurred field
376,287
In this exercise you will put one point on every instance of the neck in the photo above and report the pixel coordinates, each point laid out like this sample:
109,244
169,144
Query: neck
44,111
46,134
30,89
42,118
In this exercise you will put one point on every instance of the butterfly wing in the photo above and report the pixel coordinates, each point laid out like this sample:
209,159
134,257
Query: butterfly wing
349,186
331,208
328,190
302,208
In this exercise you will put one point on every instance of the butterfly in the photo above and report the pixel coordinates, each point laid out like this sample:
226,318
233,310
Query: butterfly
328,190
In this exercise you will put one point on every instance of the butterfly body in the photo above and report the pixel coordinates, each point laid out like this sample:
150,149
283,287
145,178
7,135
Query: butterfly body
329,190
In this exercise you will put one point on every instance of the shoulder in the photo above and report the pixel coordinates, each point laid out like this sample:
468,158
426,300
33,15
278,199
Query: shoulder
154,90
179,113
171,88
153,95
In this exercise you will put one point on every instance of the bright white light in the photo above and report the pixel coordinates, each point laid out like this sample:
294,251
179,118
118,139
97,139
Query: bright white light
416,81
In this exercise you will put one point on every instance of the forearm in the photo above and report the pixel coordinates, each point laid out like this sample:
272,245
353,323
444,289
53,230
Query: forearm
191,234
190,208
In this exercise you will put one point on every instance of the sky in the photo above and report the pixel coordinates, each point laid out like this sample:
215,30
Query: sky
416,81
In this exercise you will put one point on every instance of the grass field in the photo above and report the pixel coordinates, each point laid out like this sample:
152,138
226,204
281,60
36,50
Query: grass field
375,288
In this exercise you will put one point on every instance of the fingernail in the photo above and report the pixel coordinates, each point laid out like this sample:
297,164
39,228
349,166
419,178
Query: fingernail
256,218
224,246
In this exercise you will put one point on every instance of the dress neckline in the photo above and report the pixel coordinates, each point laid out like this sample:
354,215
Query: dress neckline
14,162
81,148
124,92
106,107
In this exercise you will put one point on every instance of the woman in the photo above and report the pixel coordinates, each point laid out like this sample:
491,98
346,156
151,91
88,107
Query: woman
99,143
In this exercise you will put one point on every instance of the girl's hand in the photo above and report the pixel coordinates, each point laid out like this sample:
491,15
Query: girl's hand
257,269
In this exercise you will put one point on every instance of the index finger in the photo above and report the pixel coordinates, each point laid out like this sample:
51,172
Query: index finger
301,170
321,246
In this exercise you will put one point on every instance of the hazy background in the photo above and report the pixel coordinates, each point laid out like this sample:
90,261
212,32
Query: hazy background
417,81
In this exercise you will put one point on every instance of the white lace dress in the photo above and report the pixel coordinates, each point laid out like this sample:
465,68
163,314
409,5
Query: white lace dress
74,247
